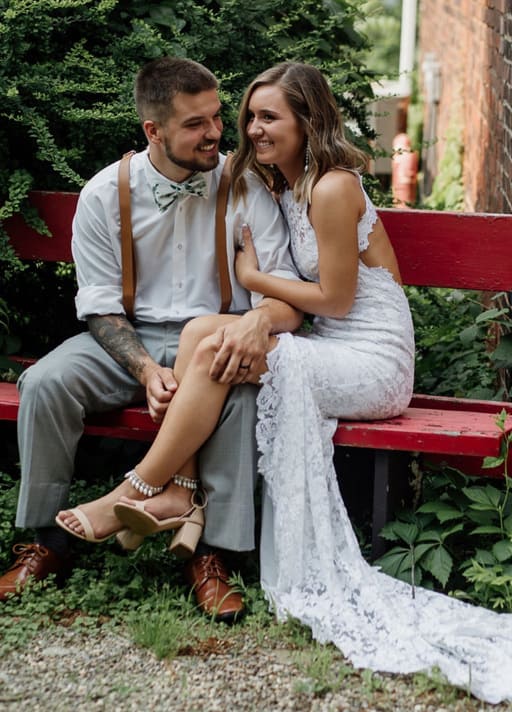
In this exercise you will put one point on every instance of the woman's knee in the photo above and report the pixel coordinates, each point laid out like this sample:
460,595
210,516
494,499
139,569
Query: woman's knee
205,351
197,329
198,339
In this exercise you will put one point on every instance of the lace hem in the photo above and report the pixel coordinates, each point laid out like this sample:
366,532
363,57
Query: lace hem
312,568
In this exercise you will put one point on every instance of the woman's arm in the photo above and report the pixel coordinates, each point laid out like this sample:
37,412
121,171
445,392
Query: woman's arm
337,203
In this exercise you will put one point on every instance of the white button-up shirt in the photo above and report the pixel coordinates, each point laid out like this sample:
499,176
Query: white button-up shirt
175,257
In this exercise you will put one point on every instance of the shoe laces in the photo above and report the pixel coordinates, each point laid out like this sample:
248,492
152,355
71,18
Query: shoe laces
213,567
28,554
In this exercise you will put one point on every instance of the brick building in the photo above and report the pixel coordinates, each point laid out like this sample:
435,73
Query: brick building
465,47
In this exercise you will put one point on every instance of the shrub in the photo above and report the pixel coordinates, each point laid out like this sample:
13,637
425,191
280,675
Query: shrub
66,103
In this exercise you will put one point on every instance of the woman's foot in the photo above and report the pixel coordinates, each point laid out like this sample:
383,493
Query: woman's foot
172,502
95,521
179,508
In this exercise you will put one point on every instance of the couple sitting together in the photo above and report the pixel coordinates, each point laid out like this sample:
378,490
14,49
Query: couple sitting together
243,392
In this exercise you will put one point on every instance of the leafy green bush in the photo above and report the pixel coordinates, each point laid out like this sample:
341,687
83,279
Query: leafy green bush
459,540
448,187
66,81
66,106
455,353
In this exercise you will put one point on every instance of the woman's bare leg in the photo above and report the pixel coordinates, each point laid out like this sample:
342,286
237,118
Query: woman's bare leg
155,467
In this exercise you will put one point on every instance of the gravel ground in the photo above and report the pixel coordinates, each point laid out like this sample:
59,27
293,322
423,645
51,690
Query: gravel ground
67,670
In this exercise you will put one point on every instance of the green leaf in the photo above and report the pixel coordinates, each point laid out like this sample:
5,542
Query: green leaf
443,511
490,529
490,462
431,535
487,497
490,315
507,524
502,550
393,561
388,532
440,563
453,530
469,334
484,557
406,531
502,354
421,550
489,517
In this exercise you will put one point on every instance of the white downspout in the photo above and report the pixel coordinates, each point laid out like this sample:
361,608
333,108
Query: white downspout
407,46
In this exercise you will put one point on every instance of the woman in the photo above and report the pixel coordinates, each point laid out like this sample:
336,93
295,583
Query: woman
356,362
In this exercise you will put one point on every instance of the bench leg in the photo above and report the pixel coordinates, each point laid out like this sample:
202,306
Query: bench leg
373,484
391,489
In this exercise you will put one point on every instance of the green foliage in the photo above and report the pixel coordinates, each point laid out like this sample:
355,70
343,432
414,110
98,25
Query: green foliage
167,627
66,107
455,354
9,344
448,187
66,83
9,488
460,539
380,23
323,669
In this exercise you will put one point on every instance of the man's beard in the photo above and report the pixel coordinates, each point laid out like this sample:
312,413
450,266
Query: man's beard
209,163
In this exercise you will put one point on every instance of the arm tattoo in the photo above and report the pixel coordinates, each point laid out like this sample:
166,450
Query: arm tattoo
119,339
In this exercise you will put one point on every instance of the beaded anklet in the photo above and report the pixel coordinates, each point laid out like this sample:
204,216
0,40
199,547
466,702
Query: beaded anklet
141,486
186,482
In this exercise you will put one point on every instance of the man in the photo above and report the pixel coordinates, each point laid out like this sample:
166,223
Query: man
118,362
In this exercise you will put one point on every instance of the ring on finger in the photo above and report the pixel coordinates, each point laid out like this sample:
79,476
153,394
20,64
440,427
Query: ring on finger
244,366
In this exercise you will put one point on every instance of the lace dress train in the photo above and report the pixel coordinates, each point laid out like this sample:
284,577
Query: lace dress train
312,568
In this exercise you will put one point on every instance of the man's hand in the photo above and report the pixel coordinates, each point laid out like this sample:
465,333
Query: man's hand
242,344
118,337
160,387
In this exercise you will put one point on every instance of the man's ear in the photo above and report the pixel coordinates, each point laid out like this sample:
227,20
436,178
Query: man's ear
152,131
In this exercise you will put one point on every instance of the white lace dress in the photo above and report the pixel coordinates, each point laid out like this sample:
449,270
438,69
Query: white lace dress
360,366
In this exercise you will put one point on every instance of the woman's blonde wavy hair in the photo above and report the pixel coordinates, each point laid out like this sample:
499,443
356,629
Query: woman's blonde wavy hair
310,98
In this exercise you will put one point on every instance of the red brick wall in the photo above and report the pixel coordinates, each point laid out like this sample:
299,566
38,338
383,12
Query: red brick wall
472,40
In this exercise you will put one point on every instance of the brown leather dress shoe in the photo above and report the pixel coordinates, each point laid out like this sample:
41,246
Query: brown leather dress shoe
34,562
208,577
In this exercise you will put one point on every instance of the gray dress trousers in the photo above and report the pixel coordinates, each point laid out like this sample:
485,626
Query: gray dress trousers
79,377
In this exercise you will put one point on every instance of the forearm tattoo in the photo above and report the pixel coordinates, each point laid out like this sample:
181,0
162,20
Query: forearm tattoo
119,339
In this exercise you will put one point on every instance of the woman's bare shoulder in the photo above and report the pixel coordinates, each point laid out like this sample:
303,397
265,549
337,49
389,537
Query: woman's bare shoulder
338,184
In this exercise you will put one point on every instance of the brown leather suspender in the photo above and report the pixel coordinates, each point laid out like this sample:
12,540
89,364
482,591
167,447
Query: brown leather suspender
127,252
220,235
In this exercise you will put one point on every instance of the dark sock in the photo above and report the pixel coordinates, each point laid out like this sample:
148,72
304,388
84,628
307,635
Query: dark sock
203,549
53,538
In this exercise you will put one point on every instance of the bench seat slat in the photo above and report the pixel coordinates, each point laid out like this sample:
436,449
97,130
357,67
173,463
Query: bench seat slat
426,430
429,430
128,423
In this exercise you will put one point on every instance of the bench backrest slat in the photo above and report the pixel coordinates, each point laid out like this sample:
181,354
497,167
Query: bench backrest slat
434,248
57,210
445,249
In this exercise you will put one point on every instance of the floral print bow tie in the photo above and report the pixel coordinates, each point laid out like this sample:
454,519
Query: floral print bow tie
166,193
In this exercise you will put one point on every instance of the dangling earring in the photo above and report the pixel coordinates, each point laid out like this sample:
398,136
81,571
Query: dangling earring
306,157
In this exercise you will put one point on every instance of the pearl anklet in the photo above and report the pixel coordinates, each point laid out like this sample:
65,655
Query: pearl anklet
186,482
141,486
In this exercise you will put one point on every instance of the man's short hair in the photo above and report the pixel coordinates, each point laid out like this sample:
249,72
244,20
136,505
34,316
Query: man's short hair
158,82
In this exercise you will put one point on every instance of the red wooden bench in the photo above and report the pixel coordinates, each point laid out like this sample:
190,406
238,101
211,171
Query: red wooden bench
435,249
